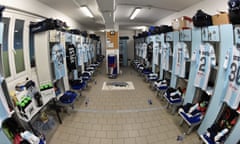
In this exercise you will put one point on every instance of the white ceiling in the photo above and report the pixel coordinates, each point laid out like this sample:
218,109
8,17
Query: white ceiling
152,11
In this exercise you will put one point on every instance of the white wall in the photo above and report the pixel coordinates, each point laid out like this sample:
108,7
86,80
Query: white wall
34,6
209,6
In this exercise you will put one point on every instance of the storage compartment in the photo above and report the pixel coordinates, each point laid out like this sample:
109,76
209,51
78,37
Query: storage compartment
221,18
183,22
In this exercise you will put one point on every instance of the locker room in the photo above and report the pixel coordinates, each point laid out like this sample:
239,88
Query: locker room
119,72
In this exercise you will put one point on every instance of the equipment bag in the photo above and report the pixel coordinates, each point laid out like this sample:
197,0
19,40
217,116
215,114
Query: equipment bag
201,19
234,11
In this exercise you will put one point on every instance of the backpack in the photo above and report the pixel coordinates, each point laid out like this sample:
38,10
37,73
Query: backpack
1,10
201,19
234,11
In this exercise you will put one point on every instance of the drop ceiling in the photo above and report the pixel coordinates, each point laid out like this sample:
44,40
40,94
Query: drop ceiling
117,12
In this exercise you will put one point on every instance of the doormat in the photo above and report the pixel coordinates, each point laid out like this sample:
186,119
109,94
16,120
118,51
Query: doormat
118,86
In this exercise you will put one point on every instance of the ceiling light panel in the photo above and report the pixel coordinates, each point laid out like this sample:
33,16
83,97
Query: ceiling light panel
135,13
86,11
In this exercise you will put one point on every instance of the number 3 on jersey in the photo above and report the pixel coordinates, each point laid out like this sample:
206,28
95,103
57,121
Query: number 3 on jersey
235,73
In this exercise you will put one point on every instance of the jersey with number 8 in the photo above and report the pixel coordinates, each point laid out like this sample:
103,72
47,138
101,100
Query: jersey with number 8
205,60
232,85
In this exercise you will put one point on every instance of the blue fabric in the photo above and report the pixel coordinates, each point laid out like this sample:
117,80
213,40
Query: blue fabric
58,55
146,71
79,86
162,88
68,97
193,119
208,139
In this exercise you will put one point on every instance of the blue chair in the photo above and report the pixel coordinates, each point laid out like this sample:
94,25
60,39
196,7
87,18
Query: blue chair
173,98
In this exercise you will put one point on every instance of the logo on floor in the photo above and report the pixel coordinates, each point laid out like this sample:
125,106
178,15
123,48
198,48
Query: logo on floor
118,86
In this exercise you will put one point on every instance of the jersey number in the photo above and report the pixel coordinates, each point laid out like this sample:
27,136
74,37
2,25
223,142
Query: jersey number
203,63
235,72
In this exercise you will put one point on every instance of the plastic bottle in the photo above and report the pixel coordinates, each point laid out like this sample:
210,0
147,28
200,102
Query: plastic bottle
31,138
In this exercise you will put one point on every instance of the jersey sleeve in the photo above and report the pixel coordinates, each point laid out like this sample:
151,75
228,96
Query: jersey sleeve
54,51
186,53
63,50
213,56
226,60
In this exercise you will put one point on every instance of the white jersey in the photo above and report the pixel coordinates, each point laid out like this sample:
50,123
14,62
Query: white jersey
205,59
137,49
181,55
84,50
144,50
156,53
80,56
165,53
232,85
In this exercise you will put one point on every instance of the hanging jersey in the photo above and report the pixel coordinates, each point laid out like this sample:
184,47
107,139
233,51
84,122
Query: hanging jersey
85,56
58,55
205,59
156,53
80,55
181,55
165,53
144,50
92,50
98,47
71,57
232,85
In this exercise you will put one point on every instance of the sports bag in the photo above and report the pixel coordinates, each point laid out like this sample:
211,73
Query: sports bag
234,11
202,19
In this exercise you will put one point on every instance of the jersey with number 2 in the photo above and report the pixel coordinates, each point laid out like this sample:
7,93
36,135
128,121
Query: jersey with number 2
205,59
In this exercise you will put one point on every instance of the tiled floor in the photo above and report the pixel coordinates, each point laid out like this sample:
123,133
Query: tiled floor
120,117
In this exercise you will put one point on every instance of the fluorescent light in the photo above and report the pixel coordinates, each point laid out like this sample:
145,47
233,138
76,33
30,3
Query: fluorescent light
135,12
86,11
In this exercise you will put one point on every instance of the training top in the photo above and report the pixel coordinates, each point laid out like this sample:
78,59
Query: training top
71,57
58,55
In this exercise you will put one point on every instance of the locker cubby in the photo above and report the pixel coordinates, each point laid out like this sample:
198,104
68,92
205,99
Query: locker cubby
209,35
172,38
221,44
185,38
156,54
169,37
220,130
44,42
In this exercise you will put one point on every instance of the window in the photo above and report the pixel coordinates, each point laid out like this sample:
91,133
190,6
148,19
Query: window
18,46
6,64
